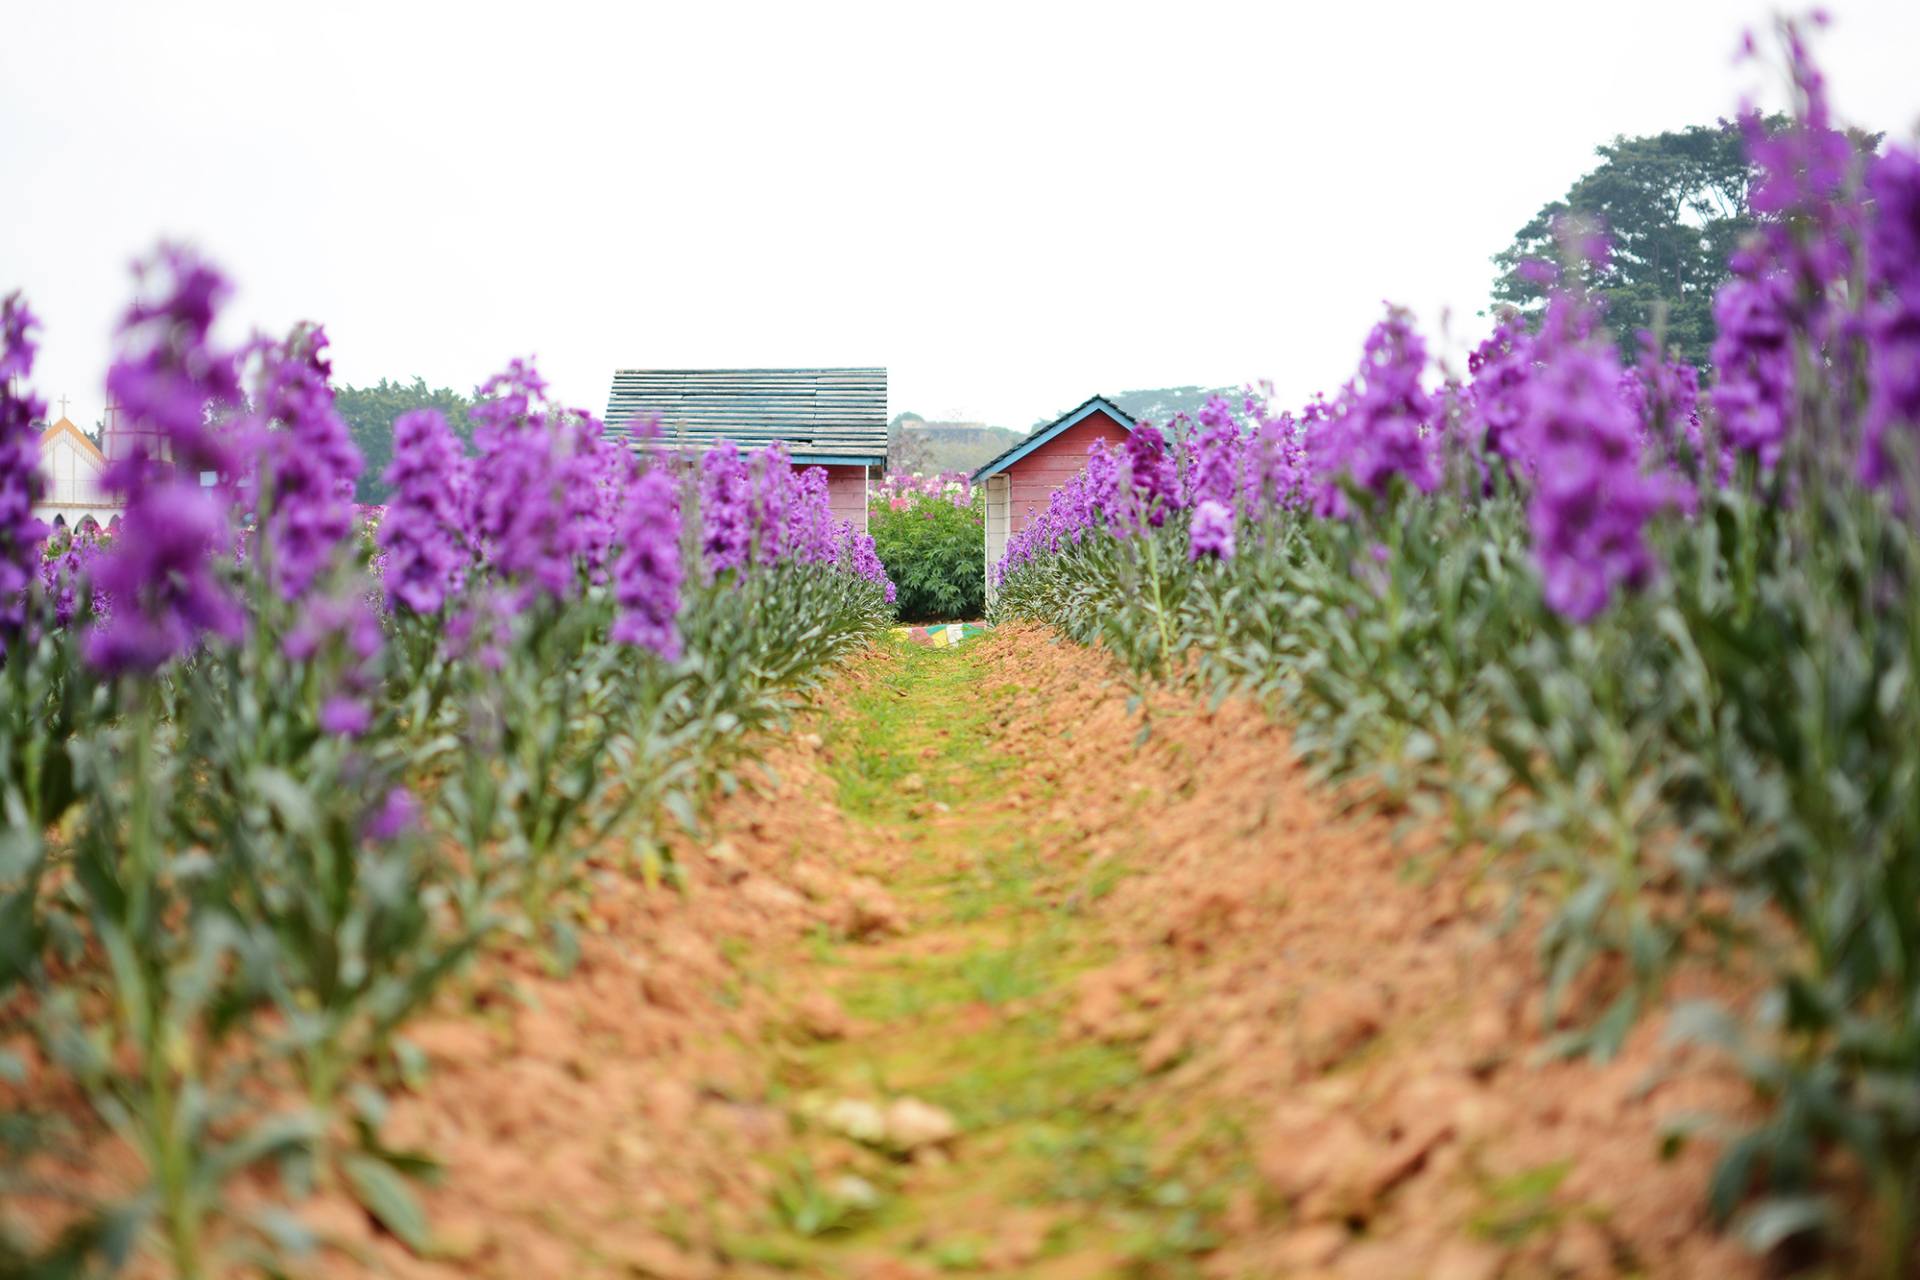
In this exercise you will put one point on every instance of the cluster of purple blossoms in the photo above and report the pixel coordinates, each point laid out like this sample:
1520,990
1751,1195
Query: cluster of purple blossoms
1211,533
345,630
857,555
773,489
726,523
1499,368
1591,498
592,482
67,572
420,534
170,379
1753,352
1217,450
160,576
1275,474
1378,429
518,509
1154,473
306,462
1664,394
810,519
1890,454
648,573
20,480
161,571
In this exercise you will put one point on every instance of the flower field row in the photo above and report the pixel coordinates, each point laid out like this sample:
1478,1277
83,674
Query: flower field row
272,770
1652,636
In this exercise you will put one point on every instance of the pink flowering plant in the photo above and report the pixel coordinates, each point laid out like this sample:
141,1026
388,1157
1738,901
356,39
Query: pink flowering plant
1650,633
931,533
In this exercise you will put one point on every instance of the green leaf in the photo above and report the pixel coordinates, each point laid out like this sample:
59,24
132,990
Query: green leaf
386,1195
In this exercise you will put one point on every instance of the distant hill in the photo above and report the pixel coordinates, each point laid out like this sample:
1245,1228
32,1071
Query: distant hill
1160,404
915,444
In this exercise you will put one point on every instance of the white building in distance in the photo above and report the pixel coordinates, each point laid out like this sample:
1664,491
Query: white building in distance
72,465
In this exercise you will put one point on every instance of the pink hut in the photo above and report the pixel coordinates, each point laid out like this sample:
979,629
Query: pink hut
835,419
1019,481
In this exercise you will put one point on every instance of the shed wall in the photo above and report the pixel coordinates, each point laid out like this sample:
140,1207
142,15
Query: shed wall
847,494
1036,476
996,520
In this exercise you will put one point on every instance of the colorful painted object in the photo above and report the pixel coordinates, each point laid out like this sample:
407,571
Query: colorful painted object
941,635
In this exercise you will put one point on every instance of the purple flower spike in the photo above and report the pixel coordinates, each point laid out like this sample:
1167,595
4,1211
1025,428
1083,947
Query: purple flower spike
398,813
1156,476
726,529
810,518
160,577
420,533
307,462
1212,531
648,573
1592,499
169,377
1378,428
21,484
344,716
1893,331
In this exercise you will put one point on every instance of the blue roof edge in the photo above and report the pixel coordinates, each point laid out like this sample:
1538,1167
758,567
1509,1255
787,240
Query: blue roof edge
1072,418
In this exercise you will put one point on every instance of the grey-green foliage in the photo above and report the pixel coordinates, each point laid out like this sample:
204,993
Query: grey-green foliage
211,945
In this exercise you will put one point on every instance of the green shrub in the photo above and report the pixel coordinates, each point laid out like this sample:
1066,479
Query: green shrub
935,552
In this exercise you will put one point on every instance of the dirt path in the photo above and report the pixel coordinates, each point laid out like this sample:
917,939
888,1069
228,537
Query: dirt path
1001,968
962,1025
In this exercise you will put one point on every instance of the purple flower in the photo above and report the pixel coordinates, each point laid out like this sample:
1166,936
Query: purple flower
1377,429
160,577
1215,473
420,533
307,462
397,814
1664,394
595,470
517,500
810,519
1893,326
647,575
1500,367
1154,473
1591,500
67,574
168,377
726,529
21,484
858,555
1753,353
773,497
1275,474
344,716
1212,531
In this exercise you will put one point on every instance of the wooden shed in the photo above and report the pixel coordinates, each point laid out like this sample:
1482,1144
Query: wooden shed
831,418
1019,481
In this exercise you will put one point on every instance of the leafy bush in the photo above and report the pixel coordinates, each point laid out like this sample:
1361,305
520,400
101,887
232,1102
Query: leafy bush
932,538
1660,647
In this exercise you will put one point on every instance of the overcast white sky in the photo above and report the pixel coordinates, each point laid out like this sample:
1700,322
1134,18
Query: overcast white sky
1010,206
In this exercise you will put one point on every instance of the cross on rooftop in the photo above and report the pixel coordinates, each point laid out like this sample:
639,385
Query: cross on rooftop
63,406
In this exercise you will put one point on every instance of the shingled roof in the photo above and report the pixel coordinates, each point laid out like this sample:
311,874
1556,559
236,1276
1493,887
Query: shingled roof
821,415
1040,435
